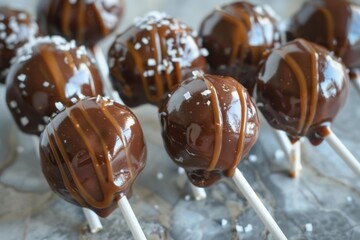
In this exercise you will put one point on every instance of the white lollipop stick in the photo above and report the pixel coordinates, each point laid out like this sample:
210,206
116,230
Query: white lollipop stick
284,141
343,152
92,220
258,206
131,219
105,74
199,193
91,217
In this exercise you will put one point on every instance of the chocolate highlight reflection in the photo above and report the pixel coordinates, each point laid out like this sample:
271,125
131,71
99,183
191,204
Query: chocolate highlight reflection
209,123
152,56
16,28
47,73
236,35
332,24
300,89
92,152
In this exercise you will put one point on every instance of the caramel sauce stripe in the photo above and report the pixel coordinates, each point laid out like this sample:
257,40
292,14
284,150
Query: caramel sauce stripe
244,120
95,163
81,20
301,79
64,176
218,120
66,18
330,29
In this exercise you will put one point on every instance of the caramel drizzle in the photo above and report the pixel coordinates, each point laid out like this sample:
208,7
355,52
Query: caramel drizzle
307,110
81,19
329,26
242,134
218,120
66,19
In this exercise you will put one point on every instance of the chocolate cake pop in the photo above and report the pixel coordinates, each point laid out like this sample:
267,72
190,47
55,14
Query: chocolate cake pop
85,21
236,35
46,71
16,28
92,152
300,89
209,123
332,24
151,57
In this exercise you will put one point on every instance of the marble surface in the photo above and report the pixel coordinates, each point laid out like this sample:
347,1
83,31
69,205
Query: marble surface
323,203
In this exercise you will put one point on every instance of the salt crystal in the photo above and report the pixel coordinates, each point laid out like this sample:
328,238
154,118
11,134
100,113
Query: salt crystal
187,96
151,62
145,41
206,92
13,104
41,127
204,52
24,121
208,102
73,100
46,84
59,106
21,77
137,46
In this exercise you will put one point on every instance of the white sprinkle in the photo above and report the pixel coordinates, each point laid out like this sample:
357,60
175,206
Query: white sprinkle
22,85
74,100
21,77
46,84
187,198
151,62
208,102
349,199
159,175
145,41
224,222
137,46
187,95
279,154
239,228
181,171
24,121
59,106
46,119
248,228
308,227
206,92
41,127
253,158
198,74
204,52
149,73
13,104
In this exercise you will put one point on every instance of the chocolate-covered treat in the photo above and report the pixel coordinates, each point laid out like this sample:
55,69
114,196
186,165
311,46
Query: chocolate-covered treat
209,123
236,35
92,152
332,24
85,21
46,71
16,28
300,89
152,56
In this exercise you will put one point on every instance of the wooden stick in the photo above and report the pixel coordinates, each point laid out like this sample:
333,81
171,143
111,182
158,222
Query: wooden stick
258,206
343,152
131,219
91,217
199,193
93,220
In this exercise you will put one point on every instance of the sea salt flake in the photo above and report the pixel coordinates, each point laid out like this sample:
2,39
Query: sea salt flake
13,104
145,41
204,52
46,84
206,92
187,95
59,106
151,62
137,46
21,77
24,121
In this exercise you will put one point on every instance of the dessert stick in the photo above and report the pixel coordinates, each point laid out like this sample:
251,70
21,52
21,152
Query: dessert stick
131,219
343,152
257,205
91,217
199,193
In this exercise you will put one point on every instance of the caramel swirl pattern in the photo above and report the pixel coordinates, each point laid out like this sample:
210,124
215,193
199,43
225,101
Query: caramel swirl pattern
236,35
151,57
209,123
47,73
332,24
85,21
92,152
300,89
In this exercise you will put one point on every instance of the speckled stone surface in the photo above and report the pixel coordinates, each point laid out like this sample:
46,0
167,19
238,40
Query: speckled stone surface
323,203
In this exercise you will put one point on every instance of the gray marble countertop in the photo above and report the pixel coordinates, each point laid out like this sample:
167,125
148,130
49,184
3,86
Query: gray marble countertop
323,203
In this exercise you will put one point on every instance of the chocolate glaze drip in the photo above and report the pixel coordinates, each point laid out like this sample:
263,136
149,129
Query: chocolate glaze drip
209,123
85,21
151,57
16,28
236,35
92,152
300,89
332,24
48,73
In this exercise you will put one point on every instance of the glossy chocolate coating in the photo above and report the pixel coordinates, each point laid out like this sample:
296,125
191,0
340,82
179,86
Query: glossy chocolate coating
16,28
151,57
209,123
236,35
332,24
85,21
47,71
300,89
92,152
